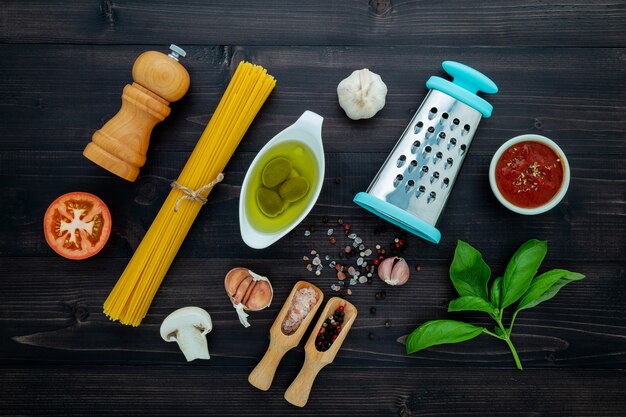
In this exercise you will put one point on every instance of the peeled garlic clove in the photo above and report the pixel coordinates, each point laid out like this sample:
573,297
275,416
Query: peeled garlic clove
276,171
269,202
247,291
362,94
293,189
394,271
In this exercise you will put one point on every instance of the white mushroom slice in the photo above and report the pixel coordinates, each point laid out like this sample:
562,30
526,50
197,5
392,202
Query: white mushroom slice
188,326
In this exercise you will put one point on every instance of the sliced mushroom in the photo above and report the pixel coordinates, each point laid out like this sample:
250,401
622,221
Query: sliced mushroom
188,326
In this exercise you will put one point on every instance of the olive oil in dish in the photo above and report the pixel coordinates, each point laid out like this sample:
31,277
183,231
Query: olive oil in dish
281,186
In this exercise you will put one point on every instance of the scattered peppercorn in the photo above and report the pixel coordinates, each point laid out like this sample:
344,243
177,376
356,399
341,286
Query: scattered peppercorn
418,268
340,220
373,310
388,324
337,180
324,220
371,336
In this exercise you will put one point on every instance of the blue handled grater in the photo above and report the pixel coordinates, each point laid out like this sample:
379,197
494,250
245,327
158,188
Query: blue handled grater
413,185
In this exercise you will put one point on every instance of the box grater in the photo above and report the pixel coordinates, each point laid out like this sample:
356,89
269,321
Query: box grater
413,185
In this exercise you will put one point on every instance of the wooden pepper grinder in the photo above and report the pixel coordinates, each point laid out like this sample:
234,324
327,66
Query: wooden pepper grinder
120,145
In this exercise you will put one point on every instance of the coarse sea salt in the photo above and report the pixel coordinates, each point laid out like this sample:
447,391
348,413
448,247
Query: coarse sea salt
303,301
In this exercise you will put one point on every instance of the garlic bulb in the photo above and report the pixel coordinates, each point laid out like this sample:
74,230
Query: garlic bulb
362,94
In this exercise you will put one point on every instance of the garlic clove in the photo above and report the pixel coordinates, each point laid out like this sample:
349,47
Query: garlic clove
385,267
362,94
247,291
394,271
234,283
258,300
245,286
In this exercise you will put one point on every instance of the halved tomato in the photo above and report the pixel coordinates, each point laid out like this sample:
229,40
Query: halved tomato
77,225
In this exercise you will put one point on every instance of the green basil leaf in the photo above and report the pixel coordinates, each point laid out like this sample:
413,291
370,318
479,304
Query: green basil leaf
471,303
469,272
496,292
521,269
439,332
545,286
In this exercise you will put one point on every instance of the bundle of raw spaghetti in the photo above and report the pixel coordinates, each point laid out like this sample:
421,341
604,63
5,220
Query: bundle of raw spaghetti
132,295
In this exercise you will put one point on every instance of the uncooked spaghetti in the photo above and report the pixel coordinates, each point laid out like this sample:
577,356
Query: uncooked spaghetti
131,297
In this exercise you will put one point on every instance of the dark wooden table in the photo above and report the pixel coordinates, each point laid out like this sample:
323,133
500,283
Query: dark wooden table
561,69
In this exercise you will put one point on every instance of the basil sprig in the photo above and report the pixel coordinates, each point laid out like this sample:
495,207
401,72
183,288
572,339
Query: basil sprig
470,276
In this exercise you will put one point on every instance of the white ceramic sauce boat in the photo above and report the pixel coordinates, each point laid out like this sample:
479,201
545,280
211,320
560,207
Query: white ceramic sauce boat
308,131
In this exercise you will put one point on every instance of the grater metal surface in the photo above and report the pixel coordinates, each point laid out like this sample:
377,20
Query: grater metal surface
413,185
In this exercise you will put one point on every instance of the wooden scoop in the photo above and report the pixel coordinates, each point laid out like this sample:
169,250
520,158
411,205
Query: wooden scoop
299,390
280,343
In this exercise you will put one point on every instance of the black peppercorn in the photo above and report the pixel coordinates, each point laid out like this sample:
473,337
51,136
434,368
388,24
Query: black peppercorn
373,310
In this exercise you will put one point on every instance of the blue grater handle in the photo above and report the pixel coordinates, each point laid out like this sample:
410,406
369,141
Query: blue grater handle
465,86
399,217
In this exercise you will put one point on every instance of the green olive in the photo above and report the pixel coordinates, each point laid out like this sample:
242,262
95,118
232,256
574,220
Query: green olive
276,171
269,202
294,189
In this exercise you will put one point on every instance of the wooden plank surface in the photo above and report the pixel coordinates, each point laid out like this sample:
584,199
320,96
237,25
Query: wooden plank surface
190,390
561,69
289,22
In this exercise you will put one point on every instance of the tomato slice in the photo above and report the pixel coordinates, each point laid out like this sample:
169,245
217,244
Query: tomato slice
77,225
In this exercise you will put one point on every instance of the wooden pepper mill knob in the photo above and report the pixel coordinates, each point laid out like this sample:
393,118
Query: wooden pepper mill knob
120,145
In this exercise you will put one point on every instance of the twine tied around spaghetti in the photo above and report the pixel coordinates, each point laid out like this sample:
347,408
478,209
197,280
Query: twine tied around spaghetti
195,195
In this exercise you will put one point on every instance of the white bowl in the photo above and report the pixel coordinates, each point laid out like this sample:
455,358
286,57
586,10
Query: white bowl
557,197
308,131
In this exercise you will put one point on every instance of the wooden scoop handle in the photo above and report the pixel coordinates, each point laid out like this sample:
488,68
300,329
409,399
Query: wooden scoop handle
262,375
300,389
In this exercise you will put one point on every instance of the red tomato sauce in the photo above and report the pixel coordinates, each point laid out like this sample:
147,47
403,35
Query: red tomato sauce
529,174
